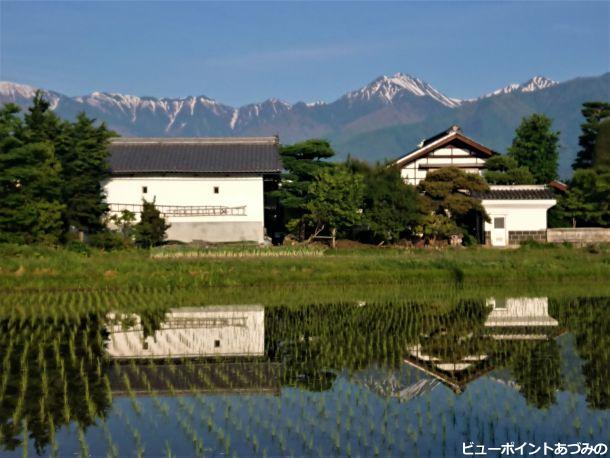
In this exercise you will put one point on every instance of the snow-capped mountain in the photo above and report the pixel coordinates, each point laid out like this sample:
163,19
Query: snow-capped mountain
388,87
389,99
536,83
380,119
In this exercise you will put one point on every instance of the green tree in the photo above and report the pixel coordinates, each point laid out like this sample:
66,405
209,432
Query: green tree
151,229
84,168
601,157
335,200
124,222
390,206
448,192
535,146
30,206
594,113
587,201
505,170
302,162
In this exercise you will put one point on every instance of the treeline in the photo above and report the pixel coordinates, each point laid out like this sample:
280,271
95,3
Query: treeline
52,172
372,203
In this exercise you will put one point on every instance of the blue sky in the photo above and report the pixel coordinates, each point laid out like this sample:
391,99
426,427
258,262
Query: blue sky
240,53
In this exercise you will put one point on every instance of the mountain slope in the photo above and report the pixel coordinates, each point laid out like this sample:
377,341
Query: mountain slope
382,119
491,120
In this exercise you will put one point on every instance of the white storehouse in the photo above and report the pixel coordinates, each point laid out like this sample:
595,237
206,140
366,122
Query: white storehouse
209,189
517,212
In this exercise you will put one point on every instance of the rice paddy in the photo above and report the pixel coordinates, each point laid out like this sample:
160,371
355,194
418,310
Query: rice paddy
346,371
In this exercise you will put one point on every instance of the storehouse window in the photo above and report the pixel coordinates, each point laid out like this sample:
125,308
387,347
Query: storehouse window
144,189
499,223
216,189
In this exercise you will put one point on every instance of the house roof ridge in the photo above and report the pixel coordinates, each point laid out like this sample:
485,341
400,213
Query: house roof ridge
197,140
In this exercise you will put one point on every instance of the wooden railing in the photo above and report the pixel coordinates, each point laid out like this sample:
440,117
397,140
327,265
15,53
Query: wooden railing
184,210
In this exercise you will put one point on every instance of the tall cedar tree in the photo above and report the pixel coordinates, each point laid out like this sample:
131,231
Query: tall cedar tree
84,168
535,146
335,200
82,149
601,158
391,208
151,229
302,162
447,193
594,113
30,200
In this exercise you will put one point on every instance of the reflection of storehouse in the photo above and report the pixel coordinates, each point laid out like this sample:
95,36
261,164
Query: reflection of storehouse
522,318
210,189
517,213
193,332
212,350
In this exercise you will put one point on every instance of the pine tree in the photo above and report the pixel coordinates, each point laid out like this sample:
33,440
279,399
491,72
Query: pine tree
302,161
151,230
594,113
535,146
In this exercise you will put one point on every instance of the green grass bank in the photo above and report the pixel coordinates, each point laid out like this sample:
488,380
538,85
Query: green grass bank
45,269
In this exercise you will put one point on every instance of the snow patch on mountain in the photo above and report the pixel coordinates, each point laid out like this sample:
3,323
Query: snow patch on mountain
536,83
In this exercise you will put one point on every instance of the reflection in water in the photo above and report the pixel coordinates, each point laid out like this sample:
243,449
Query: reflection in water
190,332
286,380
219,332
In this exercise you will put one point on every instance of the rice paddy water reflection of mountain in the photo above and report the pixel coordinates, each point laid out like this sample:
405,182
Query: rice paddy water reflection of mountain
365,379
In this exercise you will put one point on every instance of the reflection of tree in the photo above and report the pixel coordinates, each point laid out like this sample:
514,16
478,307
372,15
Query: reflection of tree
52,372
589,320
151,320
458,333
536,367
314,341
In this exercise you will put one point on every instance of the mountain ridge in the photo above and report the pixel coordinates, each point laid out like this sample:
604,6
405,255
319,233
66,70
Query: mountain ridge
389,115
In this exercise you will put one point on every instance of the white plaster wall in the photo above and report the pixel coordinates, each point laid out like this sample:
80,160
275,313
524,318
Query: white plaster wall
412,174
233,192
521,215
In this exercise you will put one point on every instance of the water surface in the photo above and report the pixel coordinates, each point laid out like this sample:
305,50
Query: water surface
358,378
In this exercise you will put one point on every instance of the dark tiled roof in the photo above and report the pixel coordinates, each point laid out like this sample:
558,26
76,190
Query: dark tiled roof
515,194
194,155
434,138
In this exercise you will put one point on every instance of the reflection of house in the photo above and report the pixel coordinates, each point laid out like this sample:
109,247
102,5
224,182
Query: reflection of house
510,319
456,372
192,332
174,359
517,213
522,318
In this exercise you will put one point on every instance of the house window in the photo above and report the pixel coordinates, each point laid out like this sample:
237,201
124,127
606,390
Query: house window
216,343
216,189
499,223
144,189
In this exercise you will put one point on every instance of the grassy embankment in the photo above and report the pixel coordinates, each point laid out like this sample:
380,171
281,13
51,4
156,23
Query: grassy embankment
38,275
